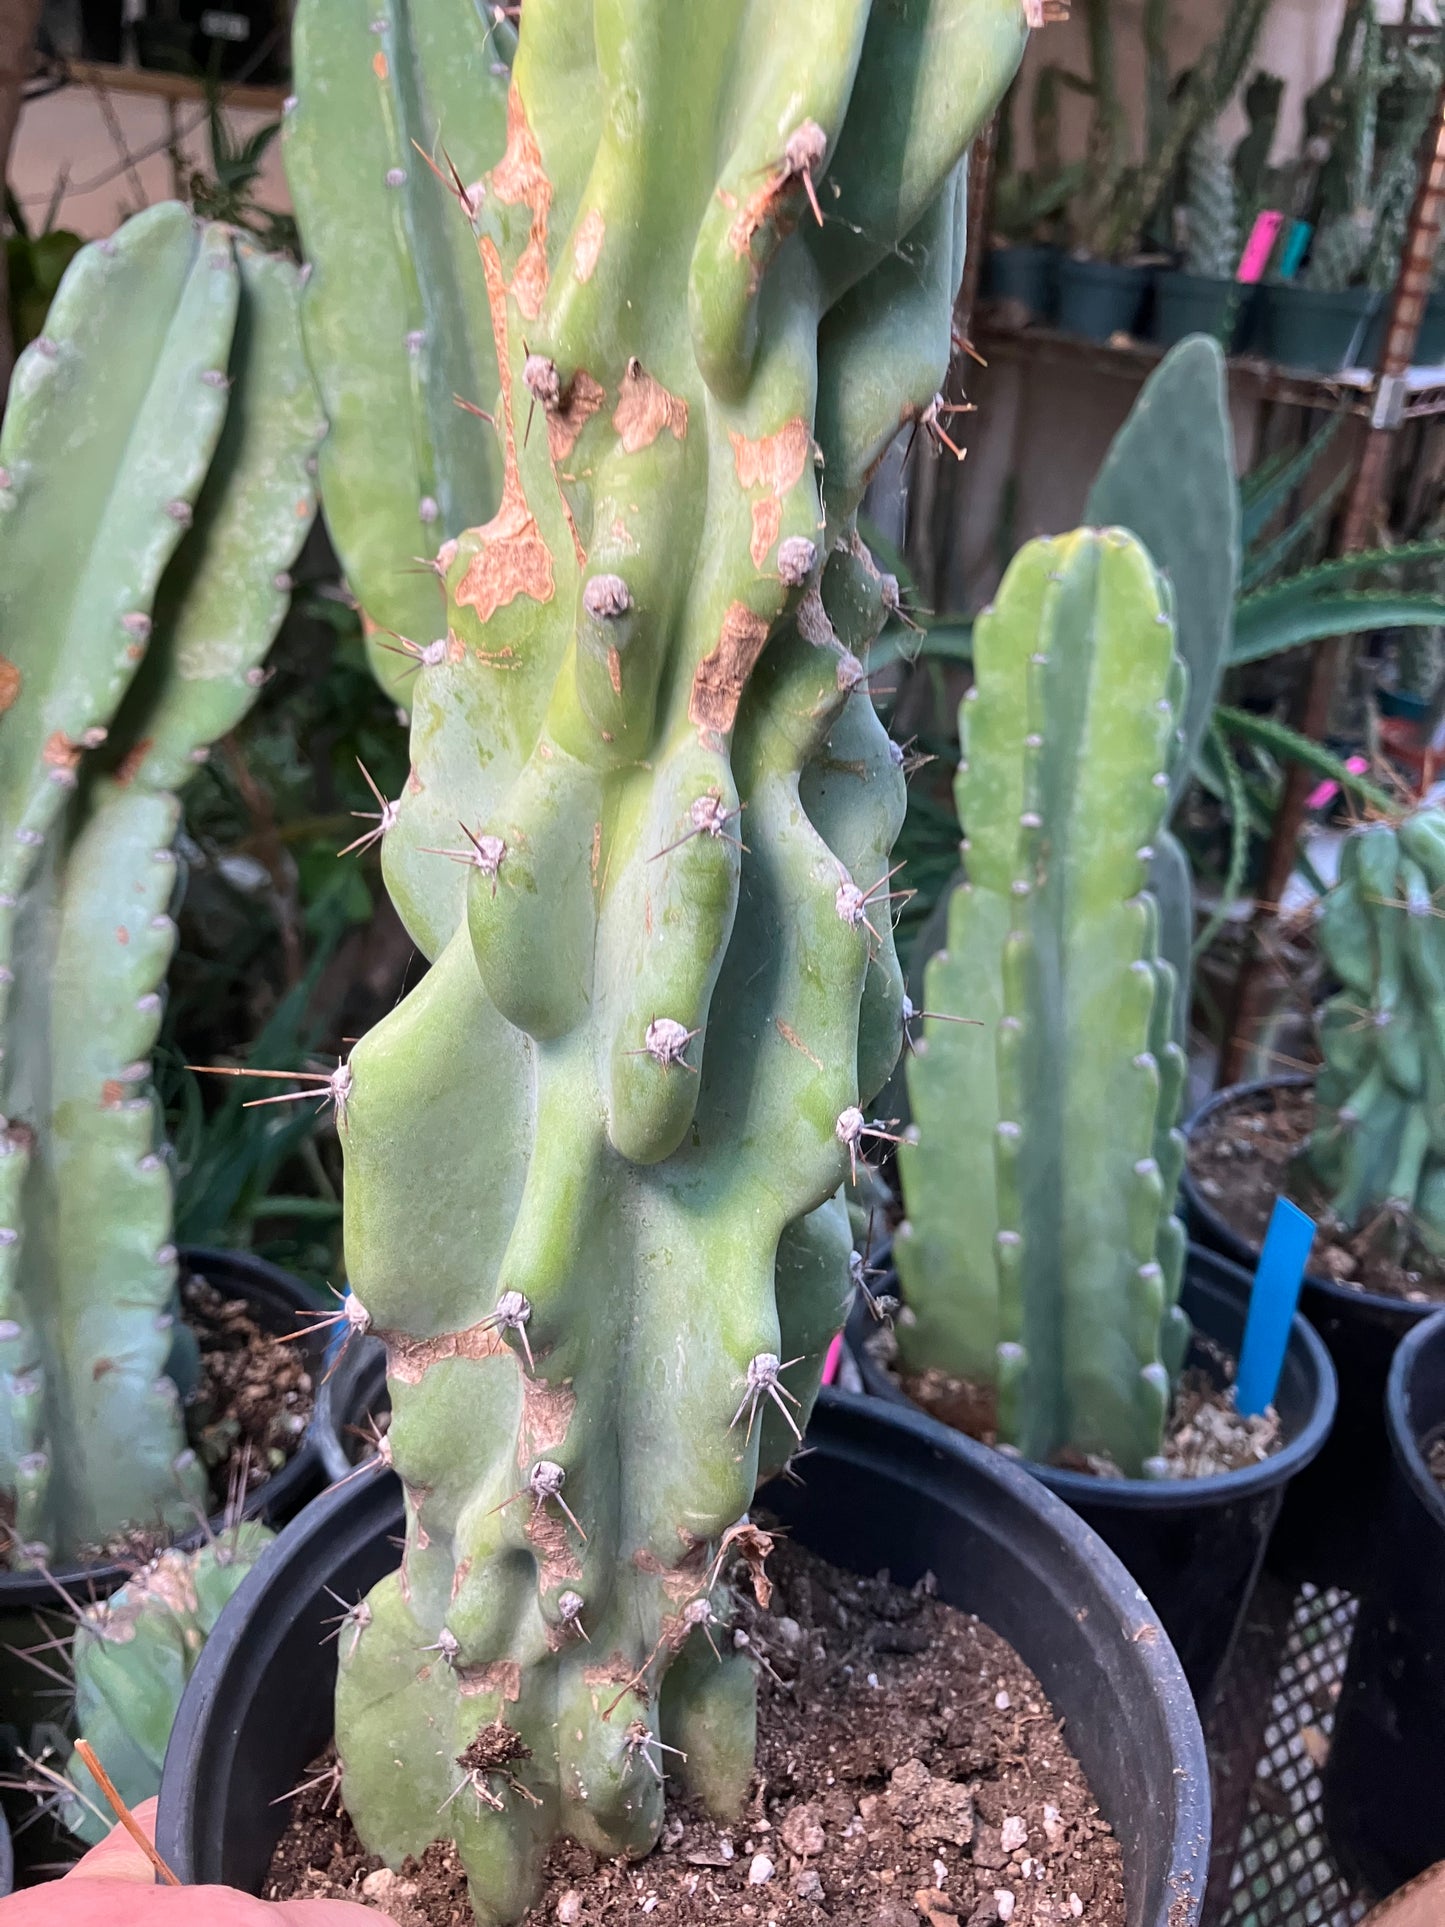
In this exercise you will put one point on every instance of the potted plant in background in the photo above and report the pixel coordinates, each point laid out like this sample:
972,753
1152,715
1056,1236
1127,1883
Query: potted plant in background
1103,283
1359,1148
1203,296
659,969
155,486
1040,1261
1022,266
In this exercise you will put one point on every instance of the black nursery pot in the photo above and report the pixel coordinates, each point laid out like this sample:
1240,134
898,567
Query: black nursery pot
1194,1545
881,1490
32,1603
1384,1803
1027,275
1099,299
1309,328
1332,1512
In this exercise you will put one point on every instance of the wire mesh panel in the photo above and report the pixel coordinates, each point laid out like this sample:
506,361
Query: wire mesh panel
1281,1872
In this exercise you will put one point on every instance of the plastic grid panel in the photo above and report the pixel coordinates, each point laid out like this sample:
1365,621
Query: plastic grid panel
1284,1874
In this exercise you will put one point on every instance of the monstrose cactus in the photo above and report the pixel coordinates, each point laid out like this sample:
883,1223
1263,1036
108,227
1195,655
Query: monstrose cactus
1378,1149
1040,1258
154,488
594,1160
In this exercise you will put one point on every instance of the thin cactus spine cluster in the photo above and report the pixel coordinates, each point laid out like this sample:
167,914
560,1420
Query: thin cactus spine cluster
1378,1150
154,489
663,987
1040,1259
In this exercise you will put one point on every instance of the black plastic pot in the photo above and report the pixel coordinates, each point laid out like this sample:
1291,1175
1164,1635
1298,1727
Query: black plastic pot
1195,304
1384,1793
1099,299
1429,345
1026,275
1314,330
32,1604
881,1490
1331,1514
1195,1546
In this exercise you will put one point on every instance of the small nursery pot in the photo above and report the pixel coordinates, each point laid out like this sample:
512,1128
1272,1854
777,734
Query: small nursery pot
1384,1805
1314,330
32,1602
1429,344
1026,275
1327,1529
1194,1545
1196,304
1099,299
881,1491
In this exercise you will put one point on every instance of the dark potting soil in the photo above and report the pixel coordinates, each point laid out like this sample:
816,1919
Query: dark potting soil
910,1773
253,1402
1242,1158
1205,1433
1435,1459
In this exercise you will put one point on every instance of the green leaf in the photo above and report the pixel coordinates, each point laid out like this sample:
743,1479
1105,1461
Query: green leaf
1264,493
1262,563
1239,826
1284,741
1266,628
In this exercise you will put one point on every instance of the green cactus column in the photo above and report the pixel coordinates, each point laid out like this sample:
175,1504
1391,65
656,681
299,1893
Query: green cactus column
1378,1150
1039,1257
593,1161
154,487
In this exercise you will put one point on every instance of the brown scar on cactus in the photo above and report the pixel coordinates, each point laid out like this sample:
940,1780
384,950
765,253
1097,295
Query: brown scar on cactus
409,1359
645,408
719,679
520,178
775,463
794,1042
546,1414
10,684
511,558
806,148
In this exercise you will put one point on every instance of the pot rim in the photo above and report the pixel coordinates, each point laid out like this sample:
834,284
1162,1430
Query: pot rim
1220,1227
1405,1438
1182,1495
851,1424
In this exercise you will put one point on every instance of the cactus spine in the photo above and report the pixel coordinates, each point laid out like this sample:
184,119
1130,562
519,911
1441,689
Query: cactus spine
1378,1149
153,490
132,1656
594,1159
1040,1256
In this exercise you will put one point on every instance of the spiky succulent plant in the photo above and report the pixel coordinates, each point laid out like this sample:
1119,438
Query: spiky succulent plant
594,1159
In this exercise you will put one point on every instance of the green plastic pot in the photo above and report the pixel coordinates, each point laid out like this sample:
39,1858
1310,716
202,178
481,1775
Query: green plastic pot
1309,328
1028,276
1099,299
1429,346
1196,304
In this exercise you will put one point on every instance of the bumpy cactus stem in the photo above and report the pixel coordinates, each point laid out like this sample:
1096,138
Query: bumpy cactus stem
132,1656
650,811
155,489
1040,1257
1378,1149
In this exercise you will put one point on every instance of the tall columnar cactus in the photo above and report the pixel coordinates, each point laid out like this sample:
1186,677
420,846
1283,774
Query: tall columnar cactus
1211,210
594,1159
154,488
1040,1257
132,1656
1378,1149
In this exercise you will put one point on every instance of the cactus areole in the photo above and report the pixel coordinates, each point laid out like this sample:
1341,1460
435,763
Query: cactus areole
594,1159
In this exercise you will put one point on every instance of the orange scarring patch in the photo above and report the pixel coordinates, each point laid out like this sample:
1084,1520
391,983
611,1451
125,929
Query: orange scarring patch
511,558
129,764
519,177
566,422
776,463
10,680
379,66
60,752
645,408
718,682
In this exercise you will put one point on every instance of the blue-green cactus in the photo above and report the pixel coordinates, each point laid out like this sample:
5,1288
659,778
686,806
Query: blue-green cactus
154,488
594,1159
1378,1149
1040,1258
